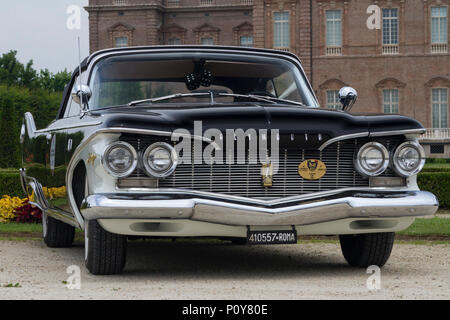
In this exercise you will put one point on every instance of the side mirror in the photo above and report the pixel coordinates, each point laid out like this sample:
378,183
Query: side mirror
81,93
347,96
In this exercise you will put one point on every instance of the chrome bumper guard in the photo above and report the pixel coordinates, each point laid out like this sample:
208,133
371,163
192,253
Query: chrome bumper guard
120,206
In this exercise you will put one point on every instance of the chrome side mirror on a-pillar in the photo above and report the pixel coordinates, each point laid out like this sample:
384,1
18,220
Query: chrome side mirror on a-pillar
347,96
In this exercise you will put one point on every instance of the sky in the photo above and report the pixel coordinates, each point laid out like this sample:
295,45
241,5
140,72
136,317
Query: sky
38,30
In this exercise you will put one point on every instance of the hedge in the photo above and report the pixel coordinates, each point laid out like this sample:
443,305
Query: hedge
438,183
10,185
435,182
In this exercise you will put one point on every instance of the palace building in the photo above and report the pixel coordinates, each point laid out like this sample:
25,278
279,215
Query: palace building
393,52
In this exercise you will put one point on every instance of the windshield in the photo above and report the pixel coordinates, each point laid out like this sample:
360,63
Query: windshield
120,80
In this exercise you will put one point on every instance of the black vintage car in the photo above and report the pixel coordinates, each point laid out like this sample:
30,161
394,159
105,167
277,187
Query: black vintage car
198,141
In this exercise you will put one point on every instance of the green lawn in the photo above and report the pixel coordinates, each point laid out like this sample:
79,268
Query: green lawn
20,227
435,226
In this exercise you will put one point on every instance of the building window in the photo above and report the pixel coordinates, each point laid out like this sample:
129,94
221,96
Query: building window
207,41
246,41
120,42
333,101
439,30
439,107
390,30
281,34
333,32
174,41
120,2
390,100
437,148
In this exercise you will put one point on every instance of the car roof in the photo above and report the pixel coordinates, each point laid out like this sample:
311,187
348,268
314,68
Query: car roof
273,52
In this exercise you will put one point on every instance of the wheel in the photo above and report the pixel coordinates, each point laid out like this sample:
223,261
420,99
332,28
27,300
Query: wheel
363,250
105,252
56,233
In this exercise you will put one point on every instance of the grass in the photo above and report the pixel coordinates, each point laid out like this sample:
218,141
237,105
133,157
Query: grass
20,227
429,227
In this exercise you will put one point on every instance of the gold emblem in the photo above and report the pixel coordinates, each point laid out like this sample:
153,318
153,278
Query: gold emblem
267,174
312,169
91,158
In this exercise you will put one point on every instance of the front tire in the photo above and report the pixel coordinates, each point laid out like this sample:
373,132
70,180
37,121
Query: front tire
57,234
363,250
105,251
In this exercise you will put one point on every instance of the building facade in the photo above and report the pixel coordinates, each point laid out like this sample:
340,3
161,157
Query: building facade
393,52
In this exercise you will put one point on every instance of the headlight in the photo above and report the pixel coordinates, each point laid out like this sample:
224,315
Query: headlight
119,159
372,159
160,160
408,159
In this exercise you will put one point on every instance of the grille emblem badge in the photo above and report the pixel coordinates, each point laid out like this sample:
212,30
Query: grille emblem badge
267,174
312,169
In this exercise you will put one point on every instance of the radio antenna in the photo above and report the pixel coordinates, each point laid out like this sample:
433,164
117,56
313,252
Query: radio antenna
79,74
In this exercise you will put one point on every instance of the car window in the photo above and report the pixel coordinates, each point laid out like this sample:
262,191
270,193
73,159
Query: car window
72,108
286,88
119,80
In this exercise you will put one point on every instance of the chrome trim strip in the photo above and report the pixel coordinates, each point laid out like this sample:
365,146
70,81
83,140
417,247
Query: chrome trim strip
251,201
344,137
32,131
397,132
81,125
370,134
63,217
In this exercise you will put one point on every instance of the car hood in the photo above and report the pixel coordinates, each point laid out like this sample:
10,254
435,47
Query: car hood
287,119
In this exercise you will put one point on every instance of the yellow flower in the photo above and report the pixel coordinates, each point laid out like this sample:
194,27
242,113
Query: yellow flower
7,207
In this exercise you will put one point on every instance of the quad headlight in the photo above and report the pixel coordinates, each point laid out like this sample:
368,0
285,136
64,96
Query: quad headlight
160,160
120,159
408,159
372,159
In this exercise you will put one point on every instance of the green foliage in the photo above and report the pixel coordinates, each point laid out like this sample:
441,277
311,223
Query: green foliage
14,73
437,167
438,160
10,185
9,136
437,183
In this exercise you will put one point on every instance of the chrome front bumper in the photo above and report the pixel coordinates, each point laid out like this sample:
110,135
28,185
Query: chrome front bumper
239,213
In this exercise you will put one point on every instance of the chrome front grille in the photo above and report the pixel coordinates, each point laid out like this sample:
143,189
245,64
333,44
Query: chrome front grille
245,179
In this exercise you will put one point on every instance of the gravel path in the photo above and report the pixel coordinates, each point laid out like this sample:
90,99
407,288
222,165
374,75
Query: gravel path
202,270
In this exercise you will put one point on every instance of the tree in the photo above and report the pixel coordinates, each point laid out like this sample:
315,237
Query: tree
9,150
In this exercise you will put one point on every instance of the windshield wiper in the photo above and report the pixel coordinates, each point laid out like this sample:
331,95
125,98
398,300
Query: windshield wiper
172,96
210,94
282,100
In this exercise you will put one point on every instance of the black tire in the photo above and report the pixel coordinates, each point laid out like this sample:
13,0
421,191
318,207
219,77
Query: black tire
363,250
105,251
57,234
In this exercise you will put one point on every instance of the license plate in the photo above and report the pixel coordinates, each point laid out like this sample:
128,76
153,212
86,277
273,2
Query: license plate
272,237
